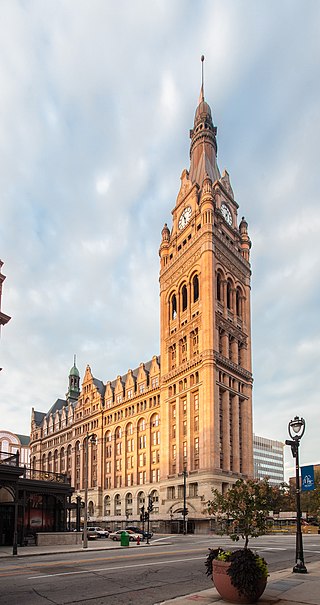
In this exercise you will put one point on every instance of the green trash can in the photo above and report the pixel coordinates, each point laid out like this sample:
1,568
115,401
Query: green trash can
124,539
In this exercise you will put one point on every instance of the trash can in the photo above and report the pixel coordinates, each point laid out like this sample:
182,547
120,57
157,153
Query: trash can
124,539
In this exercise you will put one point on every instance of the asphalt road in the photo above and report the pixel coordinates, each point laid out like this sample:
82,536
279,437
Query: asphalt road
169,567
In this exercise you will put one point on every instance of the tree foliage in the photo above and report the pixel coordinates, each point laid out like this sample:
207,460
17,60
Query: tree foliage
244,509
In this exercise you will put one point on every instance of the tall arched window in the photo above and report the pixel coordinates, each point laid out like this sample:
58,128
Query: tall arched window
107,506
91,509
184,296
62,460
238,302
117,505
195,285
219,287
140,501
229,294
50,462
128,505
173,305
69,460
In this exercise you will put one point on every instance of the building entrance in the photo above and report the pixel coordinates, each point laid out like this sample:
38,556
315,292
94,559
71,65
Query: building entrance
6,524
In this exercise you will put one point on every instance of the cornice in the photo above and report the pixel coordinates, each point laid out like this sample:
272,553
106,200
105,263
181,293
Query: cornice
230,365
230,328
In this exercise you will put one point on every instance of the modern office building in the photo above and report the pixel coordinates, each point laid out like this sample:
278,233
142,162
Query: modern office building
268,459
189,410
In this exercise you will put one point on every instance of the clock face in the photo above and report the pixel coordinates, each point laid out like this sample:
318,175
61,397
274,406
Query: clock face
185,217
226,214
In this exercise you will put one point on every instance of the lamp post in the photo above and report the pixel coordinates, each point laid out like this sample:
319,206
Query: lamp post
92,438
296,430
185,510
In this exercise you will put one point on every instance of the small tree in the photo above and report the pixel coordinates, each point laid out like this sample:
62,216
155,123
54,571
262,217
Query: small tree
243,510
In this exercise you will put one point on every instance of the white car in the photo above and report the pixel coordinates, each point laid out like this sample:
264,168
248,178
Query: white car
100,533
116,535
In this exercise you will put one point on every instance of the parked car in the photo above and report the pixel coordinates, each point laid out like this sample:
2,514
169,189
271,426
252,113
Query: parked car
102,533
137,530
92,534
116,535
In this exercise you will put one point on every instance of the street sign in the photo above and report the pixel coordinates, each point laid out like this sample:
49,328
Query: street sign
307,478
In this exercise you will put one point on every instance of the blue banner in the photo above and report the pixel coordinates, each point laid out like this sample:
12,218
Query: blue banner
307,478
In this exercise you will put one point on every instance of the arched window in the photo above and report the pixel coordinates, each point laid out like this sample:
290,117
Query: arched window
128,505
229,294
62,460
238,302
173,305
142,425
154,497
140,501
184,296
117,505
69,463
130,428
118,432
155,420
107,506
219,287
50,462
91,509
44,462
195,285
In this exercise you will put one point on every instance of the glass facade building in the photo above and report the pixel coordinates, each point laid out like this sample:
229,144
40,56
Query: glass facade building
268,459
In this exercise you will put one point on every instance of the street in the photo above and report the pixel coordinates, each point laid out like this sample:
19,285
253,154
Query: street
169,567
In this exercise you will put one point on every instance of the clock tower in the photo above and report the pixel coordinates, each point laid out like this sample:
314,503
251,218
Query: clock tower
205,332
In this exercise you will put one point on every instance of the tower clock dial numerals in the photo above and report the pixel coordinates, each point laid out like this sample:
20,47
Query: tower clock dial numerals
226,214
185,217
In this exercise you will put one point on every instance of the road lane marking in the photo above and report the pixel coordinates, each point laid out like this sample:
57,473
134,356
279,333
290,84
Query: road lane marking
73,573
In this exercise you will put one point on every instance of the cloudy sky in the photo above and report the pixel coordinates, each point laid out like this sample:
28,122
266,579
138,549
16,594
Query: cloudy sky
97,99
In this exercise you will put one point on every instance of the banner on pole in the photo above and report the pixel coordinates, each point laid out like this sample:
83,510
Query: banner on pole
307,478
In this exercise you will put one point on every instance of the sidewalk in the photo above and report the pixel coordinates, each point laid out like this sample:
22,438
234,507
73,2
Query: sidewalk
93,545
283,588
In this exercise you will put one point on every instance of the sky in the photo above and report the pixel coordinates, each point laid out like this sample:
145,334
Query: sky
97,100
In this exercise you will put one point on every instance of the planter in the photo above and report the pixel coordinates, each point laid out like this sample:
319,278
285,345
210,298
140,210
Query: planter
227,591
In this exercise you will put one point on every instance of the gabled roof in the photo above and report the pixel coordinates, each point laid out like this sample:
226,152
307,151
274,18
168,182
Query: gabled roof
100,386
58,405
38,417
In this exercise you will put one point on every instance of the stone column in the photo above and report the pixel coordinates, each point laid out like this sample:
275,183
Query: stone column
235,435
226,431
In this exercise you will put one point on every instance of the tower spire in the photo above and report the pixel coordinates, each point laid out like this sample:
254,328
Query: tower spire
201,98
203,149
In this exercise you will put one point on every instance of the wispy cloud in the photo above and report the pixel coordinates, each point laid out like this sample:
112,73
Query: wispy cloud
96,103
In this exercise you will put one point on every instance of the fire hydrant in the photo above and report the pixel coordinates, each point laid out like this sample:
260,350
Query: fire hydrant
138,540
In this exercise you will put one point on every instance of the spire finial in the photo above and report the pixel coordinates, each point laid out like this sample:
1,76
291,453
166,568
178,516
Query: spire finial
74,359
202,80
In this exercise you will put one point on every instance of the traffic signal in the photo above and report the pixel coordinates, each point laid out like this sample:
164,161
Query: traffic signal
142,517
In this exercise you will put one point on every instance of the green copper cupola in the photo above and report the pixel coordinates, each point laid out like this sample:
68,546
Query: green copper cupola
74,383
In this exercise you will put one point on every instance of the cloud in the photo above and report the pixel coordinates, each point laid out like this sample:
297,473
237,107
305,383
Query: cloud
95,109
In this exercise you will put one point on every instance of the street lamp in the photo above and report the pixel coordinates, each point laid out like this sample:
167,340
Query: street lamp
185,510
296,430
92,438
